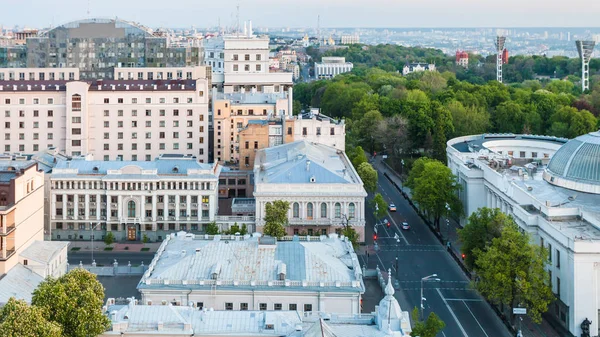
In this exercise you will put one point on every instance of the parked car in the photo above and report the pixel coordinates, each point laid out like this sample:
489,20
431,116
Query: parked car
392,208
405,226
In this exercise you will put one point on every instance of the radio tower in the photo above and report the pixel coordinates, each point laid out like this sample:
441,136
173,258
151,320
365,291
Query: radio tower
319,29
585,49
499,49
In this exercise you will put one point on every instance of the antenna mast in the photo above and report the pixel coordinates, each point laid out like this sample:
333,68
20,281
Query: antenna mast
237,19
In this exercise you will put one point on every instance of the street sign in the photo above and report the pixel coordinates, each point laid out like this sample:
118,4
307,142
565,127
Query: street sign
520,311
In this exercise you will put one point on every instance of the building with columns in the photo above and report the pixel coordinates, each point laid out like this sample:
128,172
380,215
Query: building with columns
331,66
132,199
551,187
319,182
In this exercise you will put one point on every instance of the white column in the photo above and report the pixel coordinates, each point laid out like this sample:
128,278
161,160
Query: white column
489,197
211,207
98,204
53,205
87,206
188,203
154,209
108,208
120,207
76,206
143,209
177,201
166,206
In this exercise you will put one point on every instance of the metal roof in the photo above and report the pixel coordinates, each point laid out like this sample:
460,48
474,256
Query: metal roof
181,167
578,160
20,283
43,251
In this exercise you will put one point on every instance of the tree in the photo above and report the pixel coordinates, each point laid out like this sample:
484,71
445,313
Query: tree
369,177
470,120
367,128
212,228
18,319
482,227
109,238
416,171
74,301
379,206
145,239
429,328
435,190
349,232
512,273
276,218
358,156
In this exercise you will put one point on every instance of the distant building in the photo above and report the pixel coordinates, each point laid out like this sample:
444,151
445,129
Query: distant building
255,273
350,39
462,59
413,67
319,182
97,46
331,66
132,199
131,318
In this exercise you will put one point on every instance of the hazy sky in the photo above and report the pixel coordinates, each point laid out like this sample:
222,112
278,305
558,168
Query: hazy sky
303,13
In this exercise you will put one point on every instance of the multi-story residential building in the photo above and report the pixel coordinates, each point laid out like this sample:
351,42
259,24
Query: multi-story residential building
232,113
310,126
255,273
140,320
350,39
132,199
21,208
462,59
331,66
241,64
551,187
324,191
97,46
412,67
128,119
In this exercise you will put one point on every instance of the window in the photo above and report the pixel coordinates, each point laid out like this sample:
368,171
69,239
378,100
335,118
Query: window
36,113
318,131
247,161
296,210
304,131
243,306
131,209
558,259
258,67
235,67
549,252
200,305
228,306
351,210
558,287
277,306
292,307
235,57
533,154
106,100
308,307
522,154
76,120
323,210
309,210
332,131
50,125
262,306
289,131
119,100
50,113
338,210
247,57
76,102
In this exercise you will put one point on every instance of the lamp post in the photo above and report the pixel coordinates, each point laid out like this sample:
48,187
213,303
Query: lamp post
93,228
432,277
401,173
448,221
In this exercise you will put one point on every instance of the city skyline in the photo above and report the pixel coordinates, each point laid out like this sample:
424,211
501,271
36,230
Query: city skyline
333,13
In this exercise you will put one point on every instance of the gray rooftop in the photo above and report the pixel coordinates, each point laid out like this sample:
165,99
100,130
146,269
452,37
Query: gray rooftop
179,166
303,162
251,98
578,160
329,263
477,144
44,251
19,283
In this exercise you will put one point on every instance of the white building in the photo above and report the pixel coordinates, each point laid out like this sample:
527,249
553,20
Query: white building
350,39
241,64
315,127
128,119
413,67
552,189
133,319
331,66
132,199
255,273
319,182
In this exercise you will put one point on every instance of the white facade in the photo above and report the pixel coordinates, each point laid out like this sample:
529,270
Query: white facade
318,181
132,199
255,273
350,39
120,119
39,74
331,66
498,171
413,67
317,128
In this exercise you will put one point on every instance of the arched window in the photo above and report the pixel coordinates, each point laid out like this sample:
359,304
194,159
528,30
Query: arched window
131,209
296,210
338,210
309,211
323,210
351,211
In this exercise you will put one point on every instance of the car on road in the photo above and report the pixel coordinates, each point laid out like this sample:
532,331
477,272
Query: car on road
405,226
392,208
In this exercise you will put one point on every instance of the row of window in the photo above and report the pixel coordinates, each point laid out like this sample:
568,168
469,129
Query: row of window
147,227
310,210
113,199
36,113
134,157
257,57
523,154
262,306
305,131
159,75
134,100
247,67
115,186
130,213
41,76
7,101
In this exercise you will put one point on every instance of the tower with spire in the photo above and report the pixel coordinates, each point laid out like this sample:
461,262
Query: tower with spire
389,316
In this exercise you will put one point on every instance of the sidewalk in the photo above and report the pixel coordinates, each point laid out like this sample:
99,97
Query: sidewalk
117,247
529,329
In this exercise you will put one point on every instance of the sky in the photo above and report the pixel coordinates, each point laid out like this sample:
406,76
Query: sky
303,13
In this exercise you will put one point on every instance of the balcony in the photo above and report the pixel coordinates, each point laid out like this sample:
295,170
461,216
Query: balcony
9,253
171,204
113,205
317,221
92,204
7,229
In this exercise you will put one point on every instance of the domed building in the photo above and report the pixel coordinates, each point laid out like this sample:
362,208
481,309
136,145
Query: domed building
551,187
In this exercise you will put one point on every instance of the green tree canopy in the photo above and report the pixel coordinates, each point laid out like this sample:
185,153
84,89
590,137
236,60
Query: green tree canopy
512,272
428,328
379,206
74,301
569,122
109,239
470,120
212,228
369,177
18,319
276,218
482,227
357,156
349,232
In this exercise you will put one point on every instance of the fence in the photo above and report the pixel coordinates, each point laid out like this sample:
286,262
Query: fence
114,270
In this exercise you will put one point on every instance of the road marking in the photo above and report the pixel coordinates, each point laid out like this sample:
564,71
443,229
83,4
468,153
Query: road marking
475,319
398,228
452,313
464,299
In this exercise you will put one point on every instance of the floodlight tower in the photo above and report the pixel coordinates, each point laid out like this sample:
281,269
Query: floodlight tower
585,49
499,49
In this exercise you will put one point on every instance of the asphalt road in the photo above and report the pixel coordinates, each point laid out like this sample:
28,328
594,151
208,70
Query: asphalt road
107,258
420,254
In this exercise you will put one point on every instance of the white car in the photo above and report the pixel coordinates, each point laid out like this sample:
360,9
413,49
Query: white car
392,208
405,226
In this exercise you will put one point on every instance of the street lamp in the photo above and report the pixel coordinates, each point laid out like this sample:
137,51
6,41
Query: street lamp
401,172
433,278
93,228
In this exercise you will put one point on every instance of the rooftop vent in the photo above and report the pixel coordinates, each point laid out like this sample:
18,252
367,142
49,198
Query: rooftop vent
313,179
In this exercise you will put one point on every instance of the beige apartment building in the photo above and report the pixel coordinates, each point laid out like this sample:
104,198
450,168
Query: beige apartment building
232,113
160,110
21,209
